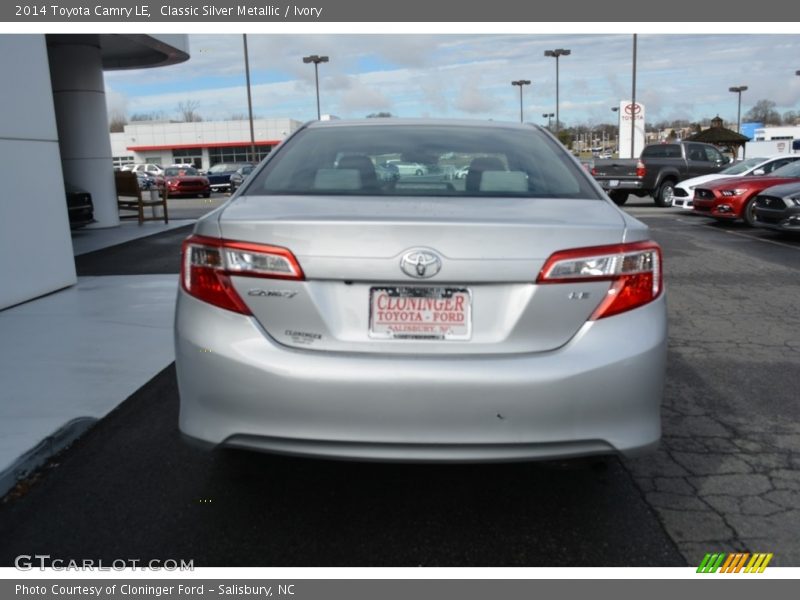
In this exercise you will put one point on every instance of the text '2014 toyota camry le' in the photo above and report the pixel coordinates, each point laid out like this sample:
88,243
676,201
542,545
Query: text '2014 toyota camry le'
514,313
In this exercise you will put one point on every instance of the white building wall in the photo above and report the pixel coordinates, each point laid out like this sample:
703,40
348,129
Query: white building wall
35,244
772,133
143,134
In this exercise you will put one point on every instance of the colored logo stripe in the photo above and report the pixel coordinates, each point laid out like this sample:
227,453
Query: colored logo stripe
758,563
734,562
711,562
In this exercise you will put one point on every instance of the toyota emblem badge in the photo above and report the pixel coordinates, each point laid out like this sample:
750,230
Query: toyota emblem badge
420,263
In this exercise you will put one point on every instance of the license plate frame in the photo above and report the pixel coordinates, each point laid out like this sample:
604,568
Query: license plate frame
425,319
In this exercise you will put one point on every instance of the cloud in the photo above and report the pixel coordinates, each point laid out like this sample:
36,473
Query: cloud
474,98
116,102
469,75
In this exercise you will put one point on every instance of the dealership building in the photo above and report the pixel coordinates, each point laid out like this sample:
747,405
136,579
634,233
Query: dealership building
54,128
201,144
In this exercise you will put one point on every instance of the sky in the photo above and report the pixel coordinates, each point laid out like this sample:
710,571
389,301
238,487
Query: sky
468,76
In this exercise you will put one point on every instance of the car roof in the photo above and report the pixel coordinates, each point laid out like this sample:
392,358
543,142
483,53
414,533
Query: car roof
400,122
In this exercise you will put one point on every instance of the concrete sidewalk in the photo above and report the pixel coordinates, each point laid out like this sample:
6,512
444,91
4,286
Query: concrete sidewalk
69,358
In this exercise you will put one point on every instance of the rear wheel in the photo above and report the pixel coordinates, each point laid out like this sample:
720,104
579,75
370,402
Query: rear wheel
665,194
749,212
619,198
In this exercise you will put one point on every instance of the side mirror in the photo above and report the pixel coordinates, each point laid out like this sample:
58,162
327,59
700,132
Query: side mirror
759,172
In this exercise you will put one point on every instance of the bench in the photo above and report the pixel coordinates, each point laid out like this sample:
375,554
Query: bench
130,199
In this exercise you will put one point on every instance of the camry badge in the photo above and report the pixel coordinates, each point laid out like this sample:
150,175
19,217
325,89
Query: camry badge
420,263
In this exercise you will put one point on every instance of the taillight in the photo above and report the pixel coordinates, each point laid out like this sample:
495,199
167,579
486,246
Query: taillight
208,263
594,171
634,270
640,169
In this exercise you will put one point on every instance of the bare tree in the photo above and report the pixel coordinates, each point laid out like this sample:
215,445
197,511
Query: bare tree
148,116
117,121
187,110
763,112
791,117
380,115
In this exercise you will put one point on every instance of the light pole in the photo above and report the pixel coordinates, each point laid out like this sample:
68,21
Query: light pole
619,124
549,117
558,52
249,101
738,90
520,83
633,101
316,60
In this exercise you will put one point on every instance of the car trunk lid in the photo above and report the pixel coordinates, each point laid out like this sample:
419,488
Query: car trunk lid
490,251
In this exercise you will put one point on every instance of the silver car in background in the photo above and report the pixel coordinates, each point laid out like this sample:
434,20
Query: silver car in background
513,314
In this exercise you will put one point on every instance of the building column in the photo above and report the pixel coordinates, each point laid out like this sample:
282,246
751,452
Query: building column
76,73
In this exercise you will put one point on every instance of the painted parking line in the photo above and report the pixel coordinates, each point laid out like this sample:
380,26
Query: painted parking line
699,222
758,239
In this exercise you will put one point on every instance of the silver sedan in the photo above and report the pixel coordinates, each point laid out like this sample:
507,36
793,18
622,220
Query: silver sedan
514,314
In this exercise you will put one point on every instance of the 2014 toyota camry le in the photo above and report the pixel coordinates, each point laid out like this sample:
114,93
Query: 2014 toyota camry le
512,314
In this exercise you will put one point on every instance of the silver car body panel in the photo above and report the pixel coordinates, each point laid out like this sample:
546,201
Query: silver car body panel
599,393
495,250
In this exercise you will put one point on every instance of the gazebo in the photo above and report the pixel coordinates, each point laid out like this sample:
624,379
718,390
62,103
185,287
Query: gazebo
725,139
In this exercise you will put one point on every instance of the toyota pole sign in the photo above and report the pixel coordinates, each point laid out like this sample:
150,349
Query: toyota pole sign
629,111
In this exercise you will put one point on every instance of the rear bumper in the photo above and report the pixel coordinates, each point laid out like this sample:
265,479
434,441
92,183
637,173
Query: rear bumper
609,185
600,393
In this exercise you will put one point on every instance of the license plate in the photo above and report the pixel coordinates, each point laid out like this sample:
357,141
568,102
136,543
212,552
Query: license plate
420,313
613,182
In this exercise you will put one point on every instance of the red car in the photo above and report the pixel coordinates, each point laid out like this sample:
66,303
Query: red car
734,197
184,180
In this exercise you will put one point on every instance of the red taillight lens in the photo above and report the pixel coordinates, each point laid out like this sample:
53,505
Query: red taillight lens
640,169
594,171
634,270
207,264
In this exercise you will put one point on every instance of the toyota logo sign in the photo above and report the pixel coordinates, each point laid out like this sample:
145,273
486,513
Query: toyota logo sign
420,263
633,109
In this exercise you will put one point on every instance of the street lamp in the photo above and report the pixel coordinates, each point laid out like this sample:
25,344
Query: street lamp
548,116
619,125
520,83
316,60
249,101
558,52
738,90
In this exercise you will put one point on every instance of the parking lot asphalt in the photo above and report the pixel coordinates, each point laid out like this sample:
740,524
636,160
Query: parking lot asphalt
725,477
153,255
130,488
727,474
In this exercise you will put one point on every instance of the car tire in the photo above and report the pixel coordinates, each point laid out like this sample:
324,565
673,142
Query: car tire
749,212
619,198
665,194
419,172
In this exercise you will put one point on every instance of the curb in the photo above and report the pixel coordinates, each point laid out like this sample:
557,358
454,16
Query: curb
34,458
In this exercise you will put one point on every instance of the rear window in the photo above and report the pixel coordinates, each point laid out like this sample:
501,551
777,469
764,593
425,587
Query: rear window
662,151
423,160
